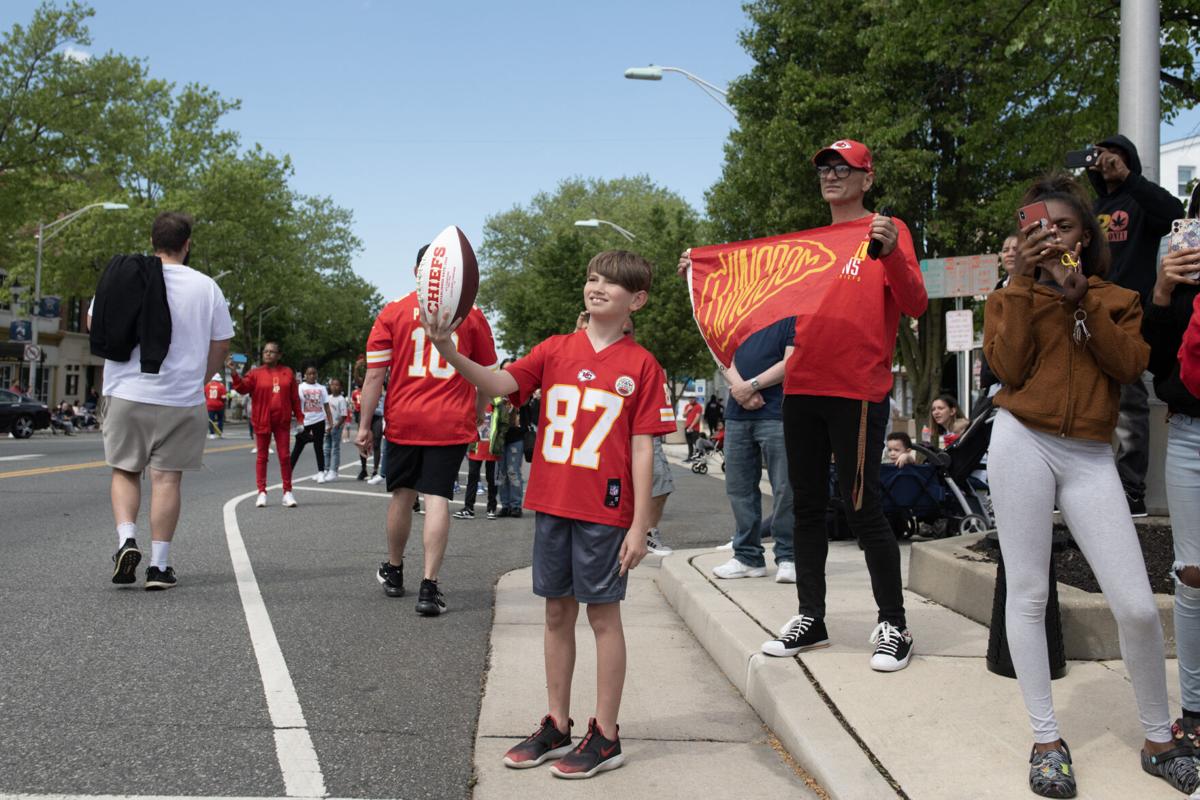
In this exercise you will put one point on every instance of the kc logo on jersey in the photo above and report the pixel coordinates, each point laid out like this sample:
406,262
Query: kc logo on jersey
585,375
625,386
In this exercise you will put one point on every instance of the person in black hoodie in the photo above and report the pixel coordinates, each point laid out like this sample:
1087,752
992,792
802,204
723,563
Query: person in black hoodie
1134,214
1167,317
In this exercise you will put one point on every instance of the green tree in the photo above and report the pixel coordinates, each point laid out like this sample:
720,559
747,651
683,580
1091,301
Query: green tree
535,264
963,103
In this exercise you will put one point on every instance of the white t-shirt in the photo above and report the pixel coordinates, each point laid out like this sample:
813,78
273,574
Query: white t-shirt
199,315
339,408
313,398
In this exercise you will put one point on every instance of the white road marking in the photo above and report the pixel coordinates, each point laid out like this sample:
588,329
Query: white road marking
384,495
21,458
146,797
293,746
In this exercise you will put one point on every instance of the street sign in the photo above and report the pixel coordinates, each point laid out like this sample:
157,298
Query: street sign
960,330
32,352
960,276
20,330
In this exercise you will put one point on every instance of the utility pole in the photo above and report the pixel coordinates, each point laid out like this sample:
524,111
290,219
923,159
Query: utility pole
1140,114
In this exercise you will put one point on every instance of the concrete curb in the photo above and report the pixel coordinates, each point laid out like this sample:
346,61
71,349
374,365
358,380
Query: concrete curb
778,689
949,574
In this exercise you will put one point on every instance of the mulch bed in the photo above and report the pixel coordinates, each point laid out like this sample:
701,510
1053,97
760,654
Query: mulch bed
1072,568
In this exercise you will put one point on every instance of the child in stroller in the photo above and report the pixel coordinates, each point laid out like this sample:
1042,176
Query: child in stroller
706,447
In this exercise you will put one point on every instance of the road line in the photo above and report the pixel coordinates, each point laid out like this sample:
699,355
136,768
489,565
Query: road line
25,473
148,797
22,457
293,746
384,495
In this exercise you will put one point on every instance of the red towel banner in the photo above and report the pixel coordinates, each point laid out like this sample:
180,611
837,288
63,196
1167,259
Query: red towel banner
742,287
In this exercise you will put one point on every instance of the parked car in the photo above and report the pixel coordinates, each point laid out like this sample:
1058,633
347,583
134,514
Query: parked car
21,416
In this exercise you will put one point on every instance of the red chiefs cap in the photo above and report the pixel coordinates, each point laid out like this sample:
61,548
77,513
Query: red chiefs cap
855,153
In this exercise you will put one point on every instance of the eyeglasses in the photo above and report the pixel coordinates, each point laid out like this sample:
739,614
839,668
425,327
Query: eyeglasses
839,171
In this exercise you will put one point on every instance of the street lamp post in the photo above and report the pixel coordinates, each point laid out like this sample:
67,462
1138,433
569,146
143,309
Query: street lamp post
49,232
654,72
596,223
262,314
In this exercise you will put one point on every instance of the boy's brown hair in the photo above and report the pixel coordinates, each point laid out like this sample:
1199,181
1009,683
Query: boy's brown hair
628,270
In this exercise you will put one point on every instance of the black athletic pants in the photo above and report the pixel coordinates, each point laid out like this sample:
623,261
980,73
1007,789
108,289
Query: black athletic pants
314,433
691,437
377,441
852,432
473,484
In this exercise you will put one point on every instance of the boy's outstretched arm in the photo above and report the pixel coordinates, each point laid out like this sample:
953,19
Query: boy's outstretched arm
494,383
633,549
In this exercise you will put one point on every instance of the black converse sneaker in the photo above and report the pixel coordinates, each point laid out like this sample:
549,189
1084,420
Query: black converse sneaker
159,578
543,744
391,578
893,648
594,754
430,601
464,513
800,633
125,562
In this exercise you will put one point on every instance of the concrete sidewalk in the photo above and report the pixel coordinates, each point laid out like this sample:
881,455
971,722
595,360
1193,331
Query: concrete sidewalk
686,732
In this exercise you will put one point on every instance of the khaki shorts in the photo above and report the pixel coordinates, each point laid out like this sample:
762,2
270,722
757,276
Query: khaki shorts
663,483
167,438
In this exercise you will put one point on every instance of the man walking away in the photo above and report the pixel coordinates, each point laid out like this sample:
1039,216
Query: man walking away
214,399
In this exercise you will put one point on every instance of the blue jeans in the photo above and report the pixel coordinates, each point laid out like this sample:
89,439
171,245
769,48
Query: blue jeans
333,447
747,443
1183,500
508,474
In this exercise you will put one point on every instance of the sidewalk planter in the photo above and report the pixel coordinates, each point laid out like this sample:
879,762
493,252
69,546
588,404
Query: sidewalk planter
946,572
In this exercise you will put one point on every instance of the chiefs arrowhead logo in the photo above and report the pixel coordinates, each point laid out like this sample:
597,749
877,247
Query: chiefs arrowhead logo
585,375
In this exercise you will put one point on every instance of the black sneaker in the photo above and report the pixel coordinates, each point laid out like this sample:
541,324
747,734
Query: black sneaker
157,579
430,601
503,512
515,513
125,562
893,648
417,507
800,633
464,513
1137,505
1175,766
1050,773
594,754
391,578
543,744
491,513
362,475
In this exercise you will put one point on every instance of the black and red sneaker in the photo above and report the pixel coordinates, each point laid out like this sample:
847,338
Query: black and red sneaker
545,743
594,754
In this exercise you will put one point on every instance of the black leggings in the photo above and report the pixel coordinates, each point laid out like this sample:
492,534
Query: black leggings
314,433
377,441
852,431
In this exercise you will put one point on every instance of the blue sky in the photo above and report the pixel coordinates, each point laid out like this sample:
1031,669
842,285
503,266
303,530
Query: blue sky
418,115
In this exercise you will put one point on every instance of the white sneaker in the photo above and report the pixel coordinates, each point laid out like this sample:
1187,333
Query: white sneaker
331,476
727,546
736,569
261,502
785,572
271,451
253,449
319,477
212,436
375,479
288,500
654,543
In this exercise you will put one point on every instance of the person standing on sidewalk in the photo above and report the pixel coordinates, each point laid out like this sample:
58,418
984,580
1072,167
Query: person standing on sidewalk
510,481
480,455
339,410
153,409
314,402
275,401
429,420
214,400
693,413
1062,341
836,403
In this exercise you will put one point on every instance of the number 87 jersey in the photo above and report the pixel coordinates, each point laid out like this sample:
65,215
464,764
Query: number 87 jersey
593,404
428,402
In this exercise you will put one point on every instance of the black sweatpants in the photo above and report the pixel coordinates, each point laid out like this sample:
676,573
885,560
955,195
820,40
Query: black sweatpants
473,484
376,446
813,429
314,433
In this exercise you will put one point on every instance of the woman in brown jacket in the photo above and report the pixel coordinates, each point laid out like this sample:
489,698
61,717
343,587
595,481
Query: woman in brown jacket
1063,340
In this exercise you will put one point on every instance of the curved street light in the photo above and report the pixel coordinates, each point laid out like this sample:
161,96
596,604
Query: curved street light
596,223
654,72
49,232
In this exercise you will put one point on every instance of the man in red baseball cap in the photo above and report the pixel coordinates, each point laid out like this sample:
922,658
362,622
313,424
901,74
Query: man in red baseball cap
853,153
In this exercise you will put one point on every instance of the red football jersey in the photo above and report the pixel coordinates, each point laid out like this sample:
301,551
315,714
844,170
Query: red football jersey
592,406
428,402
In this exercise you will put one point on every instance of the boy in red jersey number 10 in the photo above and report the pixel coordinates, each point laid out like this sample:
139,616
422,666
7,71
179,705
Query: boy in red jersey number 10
603,398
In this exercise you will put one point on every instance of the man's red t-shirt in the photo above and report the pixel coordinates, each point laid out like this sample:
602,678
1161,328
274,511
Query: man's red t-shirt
428,402
593,404
691,421
356,400
214,395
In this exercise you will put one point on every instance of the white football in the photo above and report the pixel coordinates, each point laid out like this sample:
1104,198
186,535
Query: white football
447,277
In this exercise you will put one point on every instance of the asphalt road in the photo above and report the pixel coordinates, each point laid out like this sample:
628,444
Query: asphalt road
111,690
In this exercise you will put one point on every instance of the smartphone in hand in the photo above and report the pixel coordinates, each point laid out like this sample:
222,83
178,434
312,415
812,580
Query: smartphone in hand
1033,213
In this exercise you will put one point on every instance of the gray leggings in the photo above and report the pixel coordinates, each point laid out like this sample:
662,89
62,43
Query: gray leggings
1029,471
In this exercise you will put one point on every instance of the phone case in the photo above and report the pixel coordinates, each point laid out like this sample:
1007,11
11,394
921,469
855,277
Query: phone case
1184,233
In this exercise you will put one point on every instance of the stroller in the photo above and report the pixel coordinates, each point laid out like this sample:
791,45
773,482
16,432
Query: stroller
709,448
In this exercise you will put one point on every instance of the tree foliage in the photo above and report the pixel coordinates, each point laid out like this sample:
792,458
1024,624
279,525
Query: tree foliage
77,130
963,103
535,265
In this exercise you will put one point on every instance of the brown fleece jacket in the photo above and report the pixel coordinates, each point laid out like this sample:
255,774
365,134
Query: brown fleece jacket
1050,383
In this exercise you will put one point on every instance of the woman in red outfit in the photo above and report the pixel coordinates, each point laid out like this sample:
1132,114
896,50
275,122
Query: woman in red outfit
275,402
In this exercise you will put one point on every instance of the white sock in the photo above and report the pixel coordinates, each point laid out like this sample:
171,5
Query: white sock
158,553
126,530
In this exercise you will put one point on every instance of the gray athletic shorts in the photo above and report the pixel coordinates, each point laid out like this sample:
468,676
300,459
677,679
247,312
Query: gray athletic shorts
167,438
663,482
572,558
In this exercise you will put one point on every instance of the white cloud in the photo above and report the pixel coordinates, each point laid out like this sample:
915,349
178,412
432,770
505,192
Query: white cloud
77,54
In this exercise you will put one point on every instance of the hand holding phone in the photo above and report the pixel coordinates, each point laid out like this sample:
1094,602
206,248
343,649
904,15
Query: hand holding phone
1033,212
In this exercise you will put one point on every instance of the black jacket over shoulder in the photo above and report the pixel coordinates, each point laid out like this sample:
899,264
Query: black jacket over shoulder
1163,329
131,308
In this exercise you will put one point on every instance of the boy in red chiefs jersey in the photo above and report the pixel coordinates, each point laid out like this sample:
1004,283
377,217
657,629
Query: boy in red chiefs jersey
429,419
603,398
275,401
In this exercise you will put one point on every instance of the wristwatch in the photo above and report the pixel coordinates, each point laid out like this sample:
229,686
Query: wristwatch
754,384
